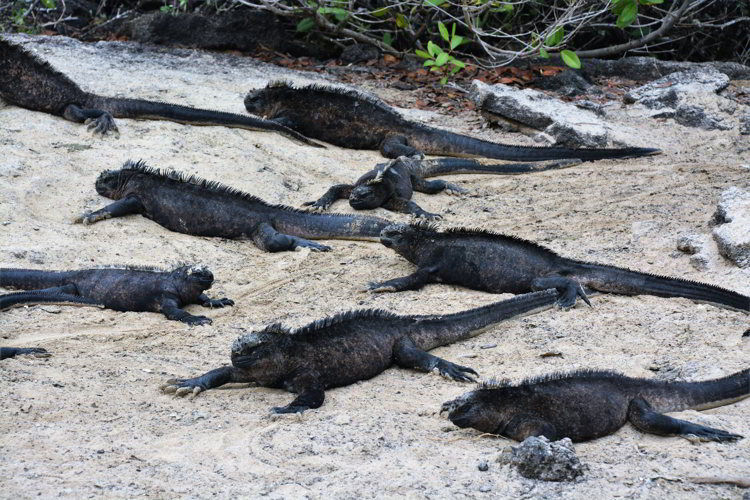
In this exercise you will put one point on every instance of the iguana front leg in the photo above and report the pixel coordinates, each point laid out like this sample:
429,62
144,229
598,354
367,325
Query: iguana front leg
268,239
408,207
99,121
337,192
209,380
170,307
435,186
414,281
126,206
643,417
311,394
207,301
568,289
408,355
394,146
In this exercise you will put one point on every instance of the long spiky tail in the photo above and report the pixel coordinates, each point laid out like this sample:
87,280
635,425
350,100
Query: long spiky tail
443,166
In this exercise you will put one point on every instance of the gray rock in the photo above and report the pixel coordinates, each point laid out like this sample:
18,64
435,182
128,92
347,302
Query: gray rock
696,246
538,458
732,235
359,52
745,124
568,124
649,68
483,466
693,116
746,496
568,83
666,91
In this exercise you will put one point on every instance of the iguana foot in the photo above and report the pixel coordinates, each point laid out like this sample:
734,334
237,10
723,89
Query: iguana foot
454,189
703,433
102,124
380,287
455,372
196,320
281,410
91,218
218,302
315,206
427,215
183,387
315,247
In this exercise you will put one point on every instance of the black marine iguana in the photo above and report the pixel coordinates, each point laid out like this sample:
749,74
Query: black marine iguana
352,346
121,289
188,204
499,263
390,185
586,405
10,352
31,83
355,120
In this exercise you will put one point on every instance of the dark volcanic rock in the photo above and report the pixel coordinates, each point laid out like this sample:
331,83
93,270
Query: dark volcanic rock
568,83
359,52
538,458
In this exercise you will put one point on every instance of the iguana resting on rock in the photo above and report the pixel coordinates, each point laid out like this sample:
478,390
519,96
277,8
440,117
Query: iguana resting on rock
121,289
586,405
498,263
10,352
31,83
390,185
352,346
188,204
356,120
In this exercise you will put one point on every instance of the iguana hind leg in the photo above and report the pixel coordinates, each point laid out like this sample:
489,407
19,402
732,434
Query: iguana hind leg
170,307
435,186
408,207
394,146
97,120
643,417
125,206
568,289
407,355
270,240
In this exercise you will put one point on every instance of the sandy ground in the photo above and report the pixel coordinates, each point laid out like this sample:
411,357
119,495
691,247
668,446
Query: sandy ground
91,422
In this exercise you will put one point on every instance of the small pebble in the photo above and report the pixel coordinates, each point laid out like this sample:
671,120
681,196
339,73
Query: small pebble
487,346
483,466
485,488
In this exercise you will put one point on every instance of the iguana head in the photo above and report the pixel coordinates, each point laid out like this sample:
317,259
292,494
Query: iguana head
110,183
397,236
265,102
368,196
199,276
476,409
261,353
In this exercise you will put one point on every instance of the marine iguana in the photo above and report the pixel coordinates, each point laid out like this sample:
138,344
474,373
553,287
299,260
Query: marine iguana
121,289
191,205
353,346
589,404
390,185
29,82
498,263
355,120
10,352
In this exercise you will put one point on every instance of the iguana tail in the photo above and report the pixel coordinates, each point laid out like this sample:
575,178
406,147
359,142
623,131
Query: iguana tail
330,226
441,142
17,299
443,166
30,279
154,110
434,331
617,280
702,395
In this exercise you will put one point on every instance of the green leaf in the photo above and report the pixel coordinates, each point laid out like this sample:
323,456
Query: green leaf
382,12
570,59
49,4
651,2
628,15
401,21
429,63
441,59
455,70
433,49
456,41
554,38
422,53
459,64
444,80
443,31
453,30
338,13
543,53
388,38
434,3
305,25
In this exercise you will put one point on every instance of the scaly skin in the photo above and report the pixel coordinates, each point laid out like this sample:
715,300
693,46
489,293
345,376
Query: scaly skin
586,405
121,289
10,352
204,208
353,346
31,83
355,120
390,185
498,263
